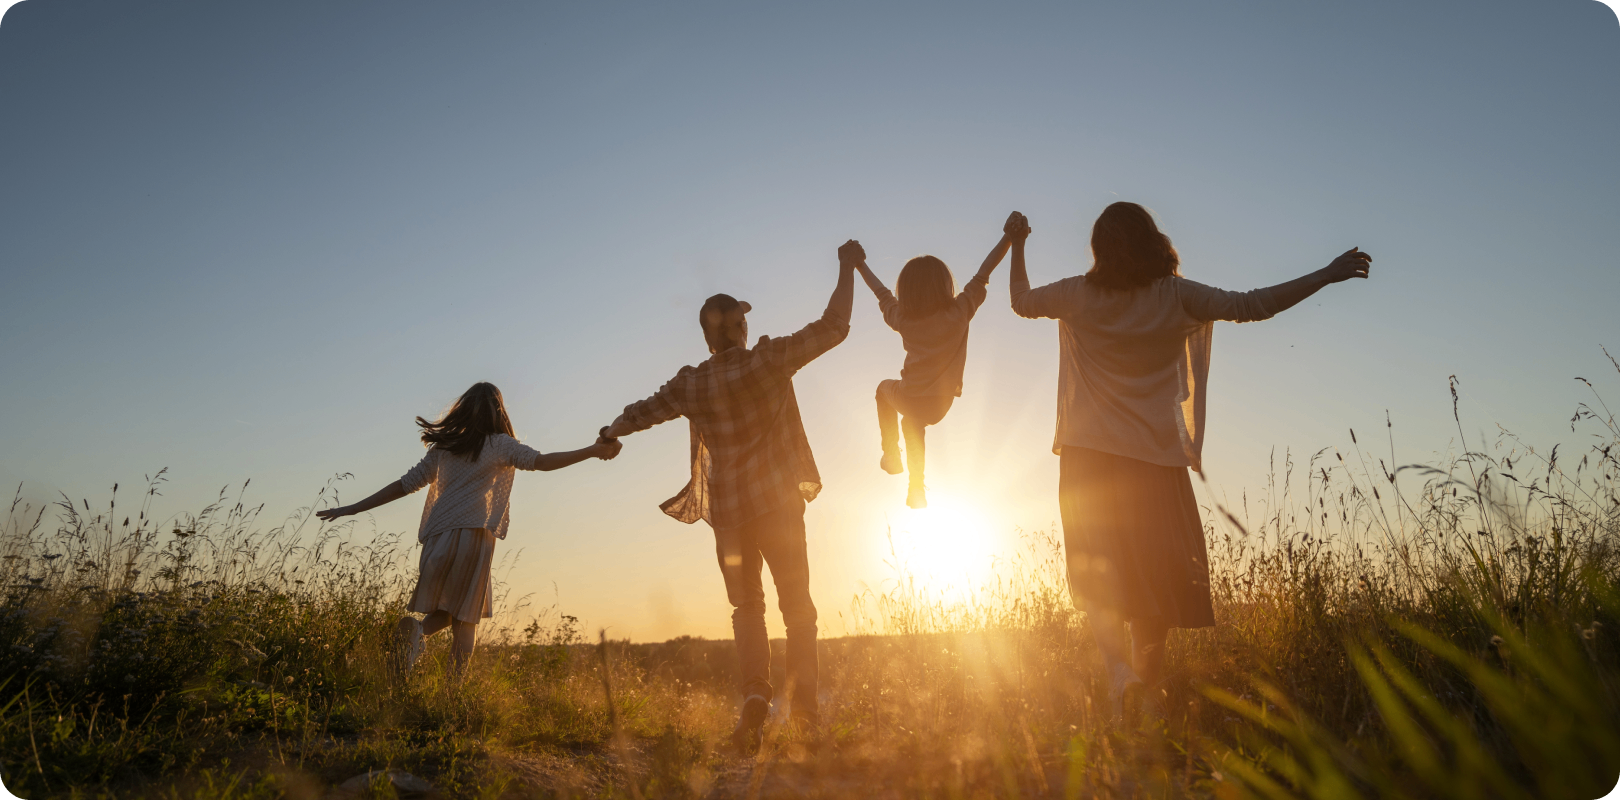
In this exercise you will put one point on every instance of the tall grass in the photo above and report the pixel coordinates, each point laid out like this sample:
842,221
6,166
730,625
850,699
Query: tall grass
1384,630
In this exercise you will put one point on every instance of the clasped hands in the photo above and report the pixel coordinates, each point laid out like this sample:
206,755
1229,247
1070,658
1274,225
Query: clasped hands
608,446
1017,229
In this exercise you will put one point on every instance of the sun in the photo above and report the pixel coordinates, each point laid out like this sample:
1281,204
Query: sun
949,544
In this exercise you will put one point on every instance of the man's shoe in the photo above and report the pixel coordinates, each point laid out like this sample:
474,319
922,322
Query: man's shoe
892,463
916,496
751,726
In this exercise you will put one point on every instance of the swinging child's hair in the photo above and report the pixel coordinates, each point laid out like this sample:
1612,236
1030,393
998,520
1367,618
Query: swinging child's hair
925,287
477,415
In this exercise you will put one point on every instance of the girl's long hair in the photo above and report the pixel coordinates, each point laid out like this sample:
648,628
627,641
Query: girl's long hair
479,414
926,287
1128,250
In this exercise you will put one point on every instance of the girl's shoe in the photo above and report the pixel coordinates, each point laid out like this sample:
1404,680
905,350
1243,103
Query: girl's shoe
891,462
917,496
411,643
1123,680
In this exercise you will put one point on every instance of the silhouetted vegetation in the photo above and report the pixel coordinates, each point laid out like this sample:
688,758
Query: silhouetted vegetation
1443,630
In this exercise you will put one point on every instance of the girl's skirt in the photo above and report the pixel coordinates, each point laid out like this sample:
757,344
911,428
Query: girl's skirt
455,574
1133,538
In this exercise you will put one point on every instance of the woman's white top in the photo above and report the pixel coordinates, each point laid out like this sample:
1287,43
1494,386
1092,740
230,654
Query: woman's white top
468,494
1135,363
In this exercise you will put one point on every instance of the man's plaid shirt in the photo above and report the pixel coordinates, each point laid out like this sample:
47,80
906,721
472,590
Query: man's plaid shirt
749,453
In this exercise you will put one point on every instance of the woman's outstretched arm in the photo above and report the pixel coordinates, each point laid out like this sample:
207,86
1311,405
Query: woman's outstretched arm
383,496
1351,263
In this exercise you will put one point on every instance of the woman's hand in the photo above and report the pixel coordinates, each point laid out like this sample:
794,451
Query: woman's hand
330,514
1351,263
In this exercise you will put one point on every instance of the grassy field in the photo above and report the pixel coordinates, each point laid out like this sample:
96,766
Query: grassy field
1445,630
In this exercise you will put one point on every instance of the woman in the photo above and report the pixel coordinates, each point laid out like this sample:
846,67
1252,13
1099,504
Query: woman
1134,341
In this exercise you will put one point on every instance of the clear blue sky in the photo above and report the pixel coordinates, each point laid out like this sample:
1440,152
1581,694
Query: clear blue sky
254,240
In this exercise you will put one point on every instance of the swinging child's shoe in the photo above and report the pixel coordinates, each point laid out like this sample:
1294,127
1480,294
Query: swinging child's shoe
891,462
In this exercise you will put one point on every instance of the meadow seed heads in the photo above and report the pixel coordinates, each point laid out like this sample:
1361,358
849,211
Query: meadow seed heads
1496,641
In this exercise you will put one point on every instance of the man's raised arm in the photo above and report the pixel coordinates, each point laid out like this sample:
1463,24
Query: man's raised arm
825,333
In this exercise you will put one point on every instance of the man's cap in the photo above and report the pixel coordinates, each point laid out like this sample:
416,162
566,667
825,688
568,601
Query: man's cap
716,308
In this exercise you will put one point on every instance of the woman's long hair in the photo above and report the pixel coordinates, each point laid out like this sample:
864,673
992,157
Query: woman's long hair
478,415
926,286
1127,249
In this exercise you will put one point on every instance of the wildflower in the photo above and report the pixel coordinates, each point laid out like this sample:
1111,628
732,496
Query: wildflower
289,679
1496,641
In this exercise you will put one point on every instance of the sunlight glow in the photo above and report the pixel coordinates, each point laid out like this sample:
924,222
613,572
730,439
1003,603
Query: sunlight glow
949,545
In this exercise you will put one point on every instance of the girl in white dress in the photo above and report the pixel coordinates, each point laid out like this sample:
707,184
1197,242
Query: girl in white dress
468,469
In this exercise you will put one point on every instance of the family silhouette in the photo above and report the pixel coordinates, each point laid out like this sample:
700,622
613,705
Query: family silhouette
1134,346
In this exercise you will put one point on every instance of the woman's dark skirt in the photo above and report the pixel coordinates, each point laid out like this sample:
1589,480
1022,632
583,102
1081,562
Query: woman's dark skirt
1133,538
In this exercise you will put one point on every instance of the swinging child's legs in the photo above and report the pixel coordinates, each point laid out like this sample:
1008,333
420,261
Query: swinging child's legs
919,411
889,428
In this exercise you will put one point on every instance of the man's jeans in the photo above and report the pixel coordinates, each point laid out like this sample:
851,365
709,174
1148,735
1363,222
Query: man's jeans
776,539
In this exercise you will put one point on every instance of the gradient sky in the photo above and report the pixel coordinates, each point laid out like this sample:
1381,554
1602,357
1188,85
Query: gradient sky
254,240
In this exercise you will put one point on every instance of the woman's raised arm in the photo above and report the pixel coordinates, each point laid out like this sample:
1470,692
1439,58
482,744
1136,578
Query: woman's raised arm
1351,263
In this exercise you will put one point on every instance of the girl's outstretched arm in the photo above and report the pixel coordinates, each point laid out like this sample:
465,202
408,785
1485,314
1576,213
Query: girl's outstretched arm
383,496
604,449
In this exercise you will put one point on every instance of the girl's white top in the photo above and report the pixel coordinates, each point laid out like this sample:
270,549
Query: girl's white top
1134,364
468,494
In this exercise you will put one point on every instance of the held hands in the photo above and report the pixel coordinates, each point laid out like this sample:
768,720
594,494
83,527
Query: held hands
606,447
1351,263
851,254
1017,228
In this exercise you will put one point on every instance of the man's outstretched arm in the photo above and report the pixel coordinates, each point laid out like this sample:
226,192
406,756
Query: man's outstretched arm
663,406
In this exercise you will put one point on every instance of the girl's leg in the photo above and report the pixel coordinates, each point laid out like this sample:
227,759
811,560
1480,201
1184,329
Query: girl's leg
435,622
889,427
465,636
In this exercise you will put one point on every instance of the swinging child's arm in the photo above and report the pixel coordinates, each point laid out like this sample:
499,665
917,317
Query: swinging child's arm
383,496
997,253
857,255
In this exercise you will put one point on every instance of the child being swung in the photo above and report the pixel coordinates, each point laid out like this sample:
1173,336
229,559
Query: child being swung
470,463
932,320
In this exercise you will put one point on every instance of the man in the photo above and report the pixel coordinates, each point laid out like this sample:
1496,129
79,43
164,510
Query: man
752,473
